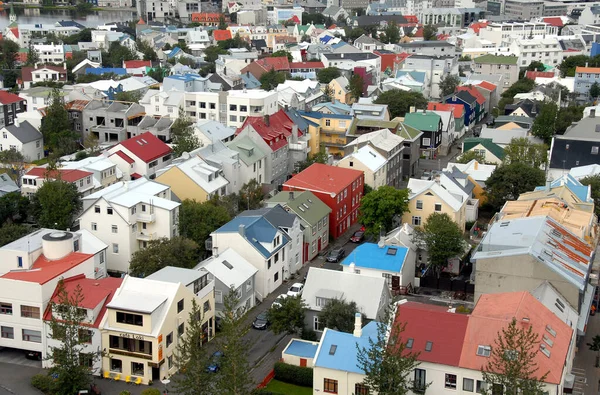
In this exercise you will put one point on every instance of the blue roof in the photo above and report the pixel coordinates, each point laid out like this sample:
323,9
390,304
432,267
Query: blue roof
174,52
338,45
250,81
257,230
581,191
183,77
369,255
345,356
301,349
106,70
319,115
417,75
326,39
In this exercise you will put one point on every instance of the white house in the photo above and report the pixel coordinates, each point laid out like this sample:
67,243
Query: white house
142,155
158,102
24,138
50,53
242,104
370,161
36,177
128,214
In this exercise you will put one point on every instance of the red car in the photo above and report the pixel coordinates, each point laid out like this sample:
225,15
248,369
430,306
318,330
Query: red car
357,237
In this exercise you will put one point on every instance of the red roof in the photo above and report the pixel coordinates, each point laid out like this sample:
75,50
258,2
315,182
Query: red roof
44,270
134,64
473,91
9,98
307,65
487,85
555,21
457,109
477,26
141,21
123,156
323,178
278,63
65,175
442,37
389,60
423,323
419,32
276,133
220,35
493,312
94,292
532,75
411,18
15,31
146,146
206,16
135,176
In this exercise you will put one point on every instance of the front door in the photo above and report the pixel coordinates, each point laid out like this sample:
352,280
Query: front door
319,244
155,374
395,283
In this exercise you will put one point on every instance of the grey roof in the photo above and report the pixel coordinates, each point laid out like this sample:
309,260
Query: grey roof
277,216
25,132
249,151
421,44
173,274
214,130
304,203
364,39
587,128
7,185
352,56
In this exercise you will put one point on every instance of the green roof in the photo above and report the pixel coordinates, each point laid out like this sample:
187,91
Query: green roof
496,59
370,123
304,204
249,151
494,148
408,132
424,121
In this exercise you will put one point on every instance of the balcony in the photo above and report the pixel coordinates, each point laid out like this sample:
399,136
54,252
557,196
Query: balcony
133,354
146,236
146,217
206,290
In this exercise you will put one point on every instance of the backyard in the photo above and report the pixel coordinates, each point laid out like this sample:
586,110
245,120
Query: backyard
279,387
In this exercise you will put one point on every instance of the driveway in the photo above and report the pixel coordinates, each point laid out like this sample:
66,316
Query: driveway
17,357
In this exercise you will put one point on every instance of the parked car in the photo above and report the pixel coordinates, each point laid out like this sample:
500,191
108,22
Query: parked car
261,321
215,362
357,237
336,255
35,355
279,300
296,289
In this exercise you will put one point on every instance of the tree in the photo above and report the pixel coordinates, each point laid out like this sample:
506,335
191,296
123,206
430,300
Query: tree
507,182
524,151
12,232
543,126
570,63
387,363
56,127
91,143
594,183
32,56
71,359
339,315
251,195
117,53
159,253
319,157
356,86
595,346
512,364
9,51
595,90
566,116
191,358
429,33
443,238
448,84
326,75
288,317
158,73
182,135
198,220
14,208
379,208
147,50
233,377
392,33
56,204
272,78
399,102
14,162
536,66
222,23
353,33
282,53
329,92
469,156
131,96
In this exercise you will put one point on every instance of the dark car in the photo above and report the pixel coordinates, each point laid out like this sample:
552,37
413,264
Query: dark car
215,362
261,321
36,355
336,255
357,237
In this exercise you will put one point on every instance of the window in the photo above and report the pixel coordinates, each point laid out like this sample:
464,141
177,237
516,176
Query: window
169,339
170,361
30,312
243,108
233,118
180,306
330,386
409,343
419,205
114,229
361,389
450,381
137,368
116,365
218,296
594,150
438,207
428,346
468,384
32,336
181,329
85,335
232,107
276,277
97,209
6,308
426,141
420,380
115,248
7,332
416,221
19,261
109,210
327,122
481,385
130,319
497,389
484,351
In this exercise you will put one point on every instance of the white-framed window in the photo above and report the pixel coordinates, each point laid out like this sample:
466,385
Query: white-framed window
419,205
115,247
114,229
426,141
94,226
594,150
317,326
468,384
218,296
416,220
438,207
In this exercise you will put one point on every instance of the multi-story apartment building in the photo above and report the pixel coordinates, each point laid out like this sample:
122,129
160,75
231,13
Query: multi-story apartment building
203,105
243,104
253,160
435,68
585,77
142,155
23,33
498,64
127,215
501,33
524,9
432,48
546,50
50,53
330,130
340,189
109,121
451,17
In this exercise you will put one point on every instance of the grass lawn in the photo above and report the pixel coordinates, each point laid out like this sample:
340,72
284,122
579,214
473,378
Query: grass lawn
288,389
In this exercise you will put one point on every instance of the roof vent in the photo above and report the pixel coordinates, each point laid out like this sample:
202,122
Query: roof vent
227,264
525,319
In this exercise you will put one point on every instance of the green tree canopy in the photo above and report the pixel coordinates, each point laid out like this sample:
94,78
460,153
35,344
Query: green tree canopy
272,78
507,182
251,195
326,75
55,204
339,314
524,151
14,208
379,208
147,50
429,33
320,157
566,116
391,33
595,90
536,66
9,51
469,156
32,56
56,127
356,86
282,53
289,316
544,124
443,238
117,54
182,135
448,84
13,162
198,220
570,63
131,96
159,253
211,54
594,183
399,102
12,232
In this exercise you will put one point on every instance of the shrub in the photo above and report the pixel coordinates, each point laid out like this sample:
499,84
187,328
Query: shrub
125,393
151,391
42,382
294,374
79,156
309,334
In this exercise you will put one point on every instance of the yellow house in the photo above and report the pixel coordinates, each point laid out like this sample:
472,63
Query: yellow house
477,173
193,179
331,131
371,162
339,90
428,197
146,319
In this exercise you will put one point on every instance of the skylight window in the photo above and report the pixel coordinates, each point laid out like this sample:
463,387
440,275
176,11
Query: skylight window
550,330
392,251
548,341
484,351
332,349
428,346
544,350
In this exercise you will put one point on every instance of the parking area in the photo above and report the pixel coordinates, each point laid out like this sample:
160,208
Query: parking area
17,357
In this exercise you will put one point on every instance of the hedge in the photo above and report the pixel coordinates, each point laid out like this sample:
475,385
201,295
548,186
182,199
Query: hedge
151,391
294,374
42,382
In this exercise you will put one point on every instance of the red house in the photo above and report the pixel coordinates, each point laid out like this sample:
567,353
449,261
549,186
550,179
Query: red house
341,189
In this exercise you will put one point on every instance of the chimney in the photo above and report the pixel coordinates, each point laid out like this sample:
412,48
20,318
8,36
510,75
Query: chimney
357,325
593,113
586,64
548,184
352,267
16,122
266,118
291,195
242,230
248,74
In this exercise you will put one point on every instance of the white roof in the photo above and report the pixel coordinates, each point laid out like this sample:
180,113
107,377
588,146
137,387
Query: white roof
298,86
199,171
383,139
478,171
368,157
446,116
417,187
130,193
366,291
503,136
214,130
104,85
90,244
229,267
584,171
251,94
88,64
173,274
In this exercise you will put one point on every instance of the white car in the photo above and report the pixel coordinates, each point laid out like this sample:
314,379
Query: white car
296,289
279,300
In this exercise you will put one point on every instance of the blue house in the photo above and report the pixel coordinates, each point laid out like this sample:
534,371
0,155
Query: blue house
470,103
